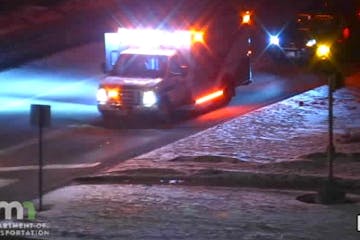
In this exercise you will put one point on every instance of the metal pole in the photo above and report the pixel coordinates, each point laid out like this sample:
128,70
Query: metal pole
40,167
331,147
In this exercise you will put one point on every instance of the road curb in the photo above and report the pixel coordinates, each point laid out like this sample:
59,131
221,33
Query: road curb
213,177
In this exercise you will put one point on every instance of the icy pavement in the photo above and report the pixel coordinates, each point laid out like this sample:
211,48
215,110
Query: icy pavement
178,212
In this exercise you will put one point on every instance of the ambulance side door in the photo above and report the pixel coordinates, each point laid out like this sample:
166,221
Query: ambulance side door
178,73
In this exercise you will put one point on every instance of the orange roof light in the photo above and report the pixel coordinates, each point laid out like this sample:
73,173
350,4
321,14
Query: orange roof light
198,37
209,97
246,17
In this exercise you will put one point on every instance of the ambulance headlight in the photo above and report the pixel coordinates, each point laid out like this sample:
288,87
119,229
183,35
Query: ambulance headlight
149,98
274,40
311,43
101,96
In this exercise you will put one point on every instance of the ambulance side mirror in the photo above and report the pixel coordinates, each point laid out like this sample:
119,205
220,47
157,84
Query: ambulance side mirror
181,71
184,70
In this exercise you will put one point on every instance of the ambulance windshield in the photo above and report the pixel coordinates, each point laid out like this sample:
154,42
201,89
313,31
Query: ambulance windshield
140,66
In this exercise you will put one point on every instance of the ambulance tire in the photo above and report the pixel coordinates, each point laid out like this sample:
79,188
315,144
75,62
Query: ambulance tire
107,119
229,92
165,111
106,115
111,120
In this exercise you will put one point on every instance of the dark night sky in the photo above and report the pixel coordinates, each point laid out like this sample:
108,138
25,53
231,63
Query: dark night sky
6,5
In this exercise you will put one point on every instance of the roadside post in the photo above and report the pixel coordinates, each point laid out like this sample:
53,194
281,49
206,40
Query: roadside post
247,23
40,116
331,147
330,193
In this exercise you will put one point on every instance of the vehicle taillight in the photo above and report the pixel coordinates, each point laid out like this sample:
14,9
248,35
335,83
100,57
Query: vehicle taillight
346,33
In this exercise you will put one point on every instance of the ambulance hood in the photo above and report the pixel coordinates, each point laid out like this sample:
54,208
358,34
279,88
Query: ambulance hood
126,81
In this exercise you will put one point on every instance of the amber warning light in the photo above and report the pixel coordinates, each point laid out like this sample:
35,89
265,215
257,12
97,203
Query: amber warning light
209,97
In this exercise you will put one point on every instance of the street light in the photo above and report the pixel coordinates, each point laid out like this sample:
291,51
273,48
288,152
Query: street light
247,23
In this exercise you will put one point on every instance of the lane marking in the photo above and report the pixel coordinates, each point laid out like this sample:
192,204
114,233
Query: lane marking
50,167
49,135
5,182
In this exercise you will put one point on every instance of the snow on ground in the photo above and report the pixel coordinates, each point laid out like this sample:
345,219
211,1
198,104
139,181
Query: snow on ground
279,132
169,212
282,145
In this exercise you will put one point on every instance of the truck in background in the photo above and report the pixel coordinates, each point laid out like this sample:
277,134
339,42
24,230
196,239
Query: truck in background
190,60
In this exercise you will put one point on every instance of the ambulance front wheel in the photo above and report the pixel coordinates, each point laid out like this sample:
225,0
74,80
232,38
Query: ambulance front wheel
110,119
229,93
106,115
165,111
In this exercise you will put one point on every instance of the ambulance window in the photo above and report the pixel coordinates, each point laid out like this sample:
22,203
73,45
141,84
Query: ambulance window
152,63
114,55
132,65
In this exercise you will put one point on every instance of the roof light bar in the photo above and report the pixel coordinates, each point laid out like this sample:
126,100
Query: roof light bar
154,38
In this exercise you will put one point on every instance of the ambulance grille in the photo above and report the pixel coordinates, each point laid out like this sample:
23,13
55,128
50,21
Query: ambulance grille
130,97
